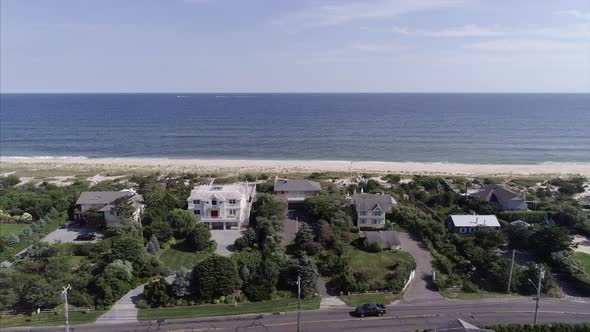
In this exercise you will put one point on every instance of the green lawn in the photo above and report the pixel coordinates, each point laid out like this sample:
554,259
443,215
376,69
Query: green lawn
473,296
7,229
178,256
207,310
356,300
584,260
50,319
375,265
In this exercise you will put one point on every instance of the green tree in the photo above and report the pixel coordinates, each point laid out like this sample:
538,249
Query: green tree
304,235
489,238
182,222
9,181
214,277
181,286
157,293
308,272
124,208
549,240
200,237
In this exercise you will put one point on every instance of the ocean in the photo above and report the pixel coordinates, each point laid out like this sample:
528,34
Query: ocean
462,128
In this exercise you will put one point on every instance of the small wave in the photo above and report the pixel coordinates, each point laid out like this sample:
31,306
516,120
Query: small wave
45,157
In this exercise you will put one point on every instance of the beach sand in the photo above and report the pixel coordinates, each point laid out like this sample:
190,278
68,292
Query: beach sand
288,166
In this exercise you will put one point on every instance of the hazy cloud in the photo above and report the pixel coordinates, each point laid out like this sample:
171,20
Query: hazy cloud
582,15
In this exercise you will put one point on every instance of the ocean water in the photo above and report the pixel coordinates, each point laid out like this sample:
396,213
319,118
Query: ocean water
470,128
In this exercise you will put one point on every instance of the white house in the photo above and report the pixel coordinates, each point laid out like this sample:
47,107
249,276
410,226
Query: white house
469,223
104,201
222,206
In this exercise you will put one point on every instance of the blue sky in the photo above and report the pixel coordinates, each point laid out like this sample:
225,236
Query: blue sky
295,46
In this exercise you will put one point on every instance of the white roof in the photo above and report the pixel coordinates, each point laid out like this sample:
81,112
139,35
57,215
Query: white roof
471,220
221,192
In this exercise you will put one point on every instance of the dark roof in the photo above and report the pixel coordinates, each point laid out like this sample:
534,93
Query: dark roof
297,185
386,238
502,194
458,325
100,197
368,202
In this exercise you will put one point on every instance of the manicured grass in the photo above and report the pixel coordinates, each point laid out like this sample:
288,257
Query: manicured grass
207,310
356,300
50,319
179,256
584,260
375,265
7,229
473,296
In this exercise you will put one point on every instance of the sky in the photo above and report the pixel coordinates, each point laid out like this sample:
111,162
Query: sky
294,46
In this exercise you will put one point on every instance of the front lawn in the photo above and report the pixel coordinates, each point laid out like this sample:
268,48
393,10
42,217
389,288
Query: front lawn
584,260
375,265
178,256
356,300
207,310
50,319
460,295
7,229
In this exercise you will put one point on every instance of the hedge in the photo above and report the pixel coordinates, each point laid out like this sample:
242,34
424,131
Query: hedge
548,327
528,216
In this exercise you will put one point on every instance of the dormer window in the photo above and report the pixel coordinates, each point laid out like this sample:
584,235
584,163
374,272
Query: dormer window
214,201
232,201
197,201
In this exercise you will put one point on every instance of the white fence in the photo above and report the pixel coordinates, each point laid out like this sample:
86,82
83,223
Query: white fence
387,291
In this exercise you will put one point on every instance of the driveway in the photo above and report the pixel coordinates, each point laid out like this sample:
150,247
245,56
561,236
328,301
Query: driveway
421,288
290,227
225,240
69,234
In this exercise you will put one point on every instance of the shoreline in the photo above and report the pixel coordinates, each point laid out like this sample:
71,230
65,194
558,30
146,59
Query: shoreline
297,166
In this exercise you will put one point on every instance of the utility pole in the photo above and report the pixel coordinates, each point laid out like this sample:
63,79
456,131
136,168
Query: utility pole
65,298
298,302
511,268
538,288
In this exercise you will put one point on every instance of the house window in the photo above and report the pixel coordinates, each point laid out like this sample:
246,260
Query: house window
232,212
462,230
214,201
197,201
377,213
198,212
232,201
363,213
375,221
471,229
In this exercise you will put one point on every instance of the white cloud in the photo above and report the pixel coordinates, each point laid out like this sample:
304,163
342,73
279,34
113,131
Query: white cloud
576,13
528,46
336,13
469,30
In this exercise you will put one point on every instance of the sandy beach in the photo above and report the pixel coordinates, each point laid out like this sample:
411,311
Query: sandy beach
292,166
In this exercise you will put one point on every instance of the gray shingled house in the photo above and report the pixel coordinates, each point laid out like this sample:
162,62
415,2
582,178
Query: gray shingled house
501,198
104,201
296,190
370,209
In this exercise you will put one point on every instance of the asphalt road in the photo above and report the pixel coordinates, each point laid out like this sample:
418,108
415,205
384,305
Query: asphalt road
399,317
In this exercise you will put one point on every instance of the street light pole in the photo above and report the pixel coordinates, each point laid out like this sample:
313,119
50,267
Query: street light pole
65,297
298,302
538,288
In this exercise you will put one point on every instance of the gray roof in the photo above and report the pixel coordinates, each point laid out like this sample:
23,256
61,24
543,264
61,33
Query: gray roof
501,194
474,220
386,238
458,325
297,185
368,202
100,197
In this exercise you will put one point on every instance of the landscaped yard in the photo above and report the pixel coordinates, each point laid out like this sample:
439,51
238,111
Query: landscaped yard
7,229
375,265
206,310
50,319
356,300
584,260
178,256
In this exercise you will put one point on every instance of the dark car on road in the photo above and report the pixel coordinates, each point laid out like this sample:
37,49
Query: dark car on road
85,237
370,309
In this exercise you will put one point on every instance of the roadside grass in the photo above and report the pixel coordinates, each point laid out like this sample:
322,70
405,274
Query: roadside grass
460,295
375,265
7,229
50,318
178,256
584,260
208,310
356,300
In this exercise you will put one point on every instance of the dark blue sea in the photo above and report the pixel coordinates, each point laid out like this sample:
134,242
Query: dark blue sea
470,128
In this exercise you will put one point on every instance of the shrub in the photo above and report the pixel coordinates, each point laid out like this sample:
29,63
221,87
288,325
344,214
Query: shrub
374,247
258,293
142,304
312,248
200,237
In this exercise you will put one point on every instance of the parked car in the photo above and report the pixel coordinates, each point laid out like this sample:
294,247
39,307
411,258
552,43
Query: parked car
370,309
66,224
85,237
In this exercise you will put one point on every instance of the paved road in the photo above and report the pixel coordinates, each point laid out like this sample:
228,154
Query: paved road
400,317
420,289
